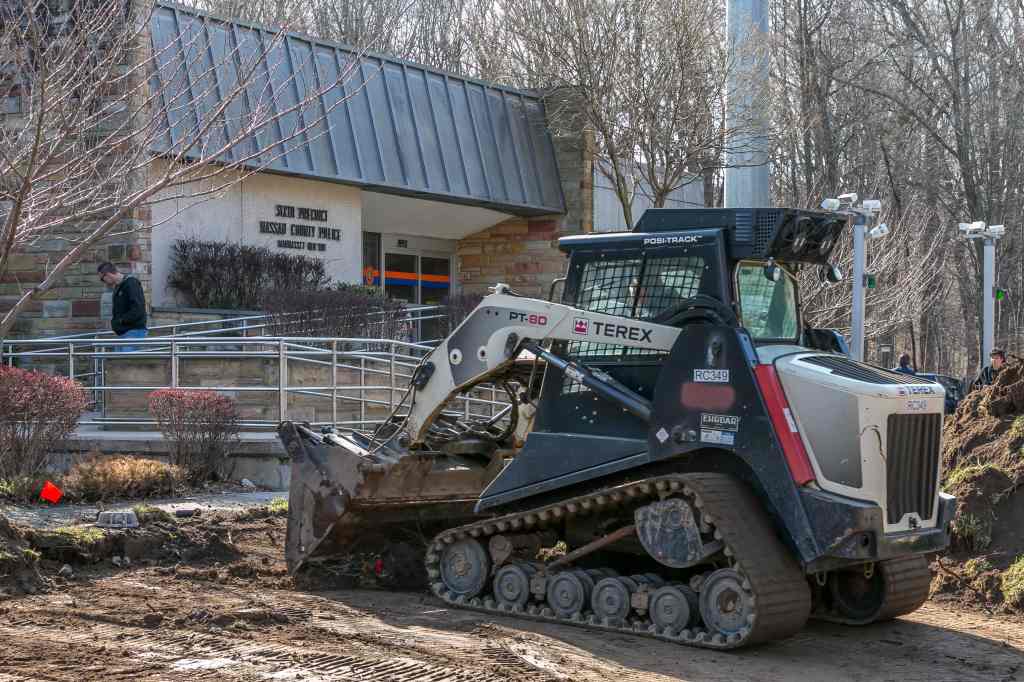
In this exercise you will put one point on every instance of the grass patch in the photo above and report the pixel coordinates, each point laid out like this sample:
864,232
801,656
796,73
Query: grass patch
971,533
1013,583
147,514
279,506
967,473
80,534
1017,428
975,567
118,477
30,554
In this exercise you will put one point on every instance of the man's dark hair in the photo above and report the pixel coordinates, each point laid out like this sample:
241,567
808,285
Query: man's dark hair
106,268
905,359
997,353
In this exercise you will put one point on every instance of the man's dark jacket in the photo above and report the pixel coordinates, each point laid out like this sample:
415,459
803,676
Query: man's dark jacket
985,377
129,306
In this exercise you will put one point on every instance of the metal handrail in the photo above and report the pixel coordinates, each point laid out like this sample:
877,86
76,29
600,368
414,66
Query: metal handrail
389,363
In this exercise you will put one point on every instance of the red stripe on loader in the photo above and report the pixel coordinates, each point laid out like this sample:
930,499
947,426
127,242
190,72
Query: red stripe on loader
784,424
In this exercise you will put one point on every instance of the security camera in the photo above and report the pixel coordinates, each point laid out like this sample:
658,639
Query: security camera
831,204
878,231
997,230
873,205
971,228
850,198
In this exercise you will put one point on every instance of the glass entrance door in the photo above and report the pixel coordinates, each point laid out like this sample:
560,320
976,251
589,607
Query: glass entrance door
419,279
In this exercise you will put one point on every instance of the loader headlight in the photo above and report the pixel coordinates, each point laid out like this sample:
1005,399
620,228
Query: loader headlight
772,272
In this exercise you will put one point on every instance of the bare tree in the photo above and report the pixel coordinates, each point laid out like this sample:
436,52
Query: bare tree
649,76
102,121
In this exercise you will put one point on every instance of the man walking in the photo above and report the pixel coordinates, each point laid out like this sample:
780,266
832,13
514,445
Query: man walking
129,316
988,374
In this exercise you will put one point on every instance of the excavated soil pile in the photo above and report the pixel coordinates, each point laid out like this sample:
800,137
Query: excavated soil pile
19,563
983,465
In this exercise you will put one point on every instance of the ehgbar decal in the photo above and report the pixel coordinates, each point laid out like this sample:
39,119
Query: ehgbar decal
721,422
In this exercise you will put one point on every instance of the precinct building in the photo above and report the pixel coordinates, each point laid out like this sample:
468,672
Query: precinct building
422,183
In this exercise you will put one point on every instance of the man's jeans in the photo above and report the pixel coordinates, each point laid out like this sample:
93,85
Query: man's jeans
131,334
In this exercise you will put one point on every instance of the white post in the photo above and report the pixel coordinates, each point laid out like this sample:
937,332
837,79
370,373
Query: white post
859,262
746,172
988,293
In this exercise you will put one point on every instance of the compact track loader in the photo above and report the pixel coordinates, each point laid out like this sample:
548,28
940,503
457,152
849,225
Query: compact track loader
681,458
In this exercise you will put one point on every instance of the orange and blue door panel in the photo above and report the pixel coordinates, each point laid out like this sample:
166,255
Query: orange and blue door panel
371,276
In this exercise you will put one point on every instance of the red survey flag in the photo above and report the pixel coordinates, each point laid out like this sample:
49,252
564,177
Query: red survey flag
51,493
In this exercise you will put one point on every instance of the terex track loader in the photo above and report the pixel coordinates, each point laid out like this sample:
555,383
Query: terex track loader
708,471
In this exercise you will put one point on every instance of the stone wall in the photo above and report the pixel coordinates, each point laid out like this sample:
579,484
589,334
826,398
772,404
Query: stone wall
521,253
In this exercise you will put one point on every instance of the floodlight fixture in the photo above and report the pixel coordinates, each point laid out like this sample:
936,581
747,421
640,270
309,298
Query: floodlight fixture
878,231
831,204
872,205
849,199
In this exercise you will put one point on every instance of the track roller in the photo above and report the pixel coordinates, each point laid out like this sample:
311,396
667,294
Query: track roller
724,603
675,607
512,584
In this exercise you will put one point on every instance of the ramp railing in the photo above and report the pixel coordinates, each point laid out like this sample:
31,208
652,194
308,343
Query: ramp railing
346,382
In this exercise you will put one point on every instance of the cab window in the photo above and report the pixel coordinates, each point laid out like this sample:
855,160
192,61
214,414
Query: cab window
767,309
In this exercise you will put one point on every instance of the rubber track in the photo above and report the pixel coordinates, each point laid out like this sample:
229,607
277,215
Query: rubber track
781,595
907,582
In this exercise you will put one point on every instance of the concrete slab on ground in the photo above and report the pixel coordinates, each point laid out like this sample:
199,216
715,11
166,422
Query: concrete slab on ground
38,516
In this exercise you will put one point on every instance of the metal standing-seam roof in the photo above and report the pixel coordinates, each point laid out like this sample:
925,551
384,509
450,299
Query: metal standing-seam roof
399,128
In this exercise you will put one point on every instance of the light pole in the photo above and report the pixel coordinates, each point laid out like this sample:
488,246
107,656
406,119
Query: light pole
746,171
988,233
862,216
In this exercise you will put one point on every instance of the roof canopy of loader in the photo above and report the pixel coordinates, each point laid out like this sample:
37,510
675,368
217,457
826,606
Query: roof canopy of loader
393,127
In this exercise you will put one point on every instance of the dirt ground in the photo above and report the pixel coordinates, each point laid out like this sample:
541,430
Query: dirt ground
223,615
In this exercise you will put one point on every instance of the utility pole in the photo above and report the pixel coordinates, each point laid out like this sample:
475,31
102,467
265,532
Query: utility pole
746,156
989,234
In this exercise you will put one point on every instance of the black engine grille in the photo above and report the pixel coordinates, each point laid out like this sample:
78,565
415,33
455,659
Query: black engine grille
843,367
911,464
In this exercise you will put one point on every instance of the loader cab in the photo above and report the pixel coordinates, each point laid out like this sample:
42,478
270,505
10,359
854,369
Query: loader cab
735,267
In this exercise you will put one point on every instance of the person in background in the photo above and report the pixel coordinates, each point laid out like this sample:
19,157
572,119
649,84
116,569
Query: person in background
904,365
988,374
129,315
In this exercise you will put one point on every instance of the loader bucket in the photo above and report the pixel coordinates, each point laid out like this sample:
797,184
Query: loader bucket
342,489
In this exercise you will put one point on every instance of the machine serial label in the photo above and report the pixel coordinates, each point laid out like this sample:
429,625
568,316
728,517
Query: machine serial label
917,405
664,241
722,422
711,376
717,437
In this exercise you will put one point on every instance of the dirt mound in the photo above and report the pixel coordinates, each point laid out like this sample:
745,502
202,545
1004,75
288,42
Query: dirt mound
983,465
19,563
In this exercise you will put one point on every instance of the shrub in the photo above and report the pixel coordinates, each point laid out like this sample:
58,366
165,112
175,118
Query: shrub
201,427
36,411
233,276
344,310
1013,583
25,489
459,307
119,477
970,533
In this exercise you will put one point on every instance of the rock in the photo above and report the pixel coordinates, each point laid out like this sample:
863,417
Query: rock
246,483
117,519
116,560
66,571
186,513
152,620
